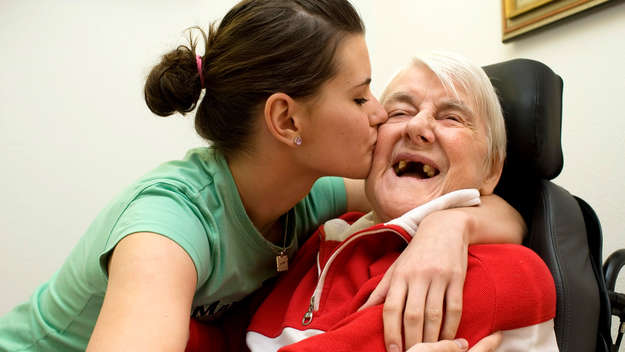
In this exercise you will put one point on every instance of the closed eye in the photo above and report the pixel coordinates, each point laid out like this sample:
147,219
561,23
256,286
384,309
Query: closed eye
361,101
398,113
452,118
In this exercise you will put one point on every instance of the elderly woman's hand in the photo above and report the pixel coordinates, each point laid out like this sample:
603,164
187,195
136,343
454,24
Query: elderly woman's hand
424,286
487,344
459,345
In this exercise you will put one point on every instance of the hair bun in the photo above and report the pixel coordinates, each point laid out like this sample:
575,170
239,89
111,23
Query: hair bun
173,85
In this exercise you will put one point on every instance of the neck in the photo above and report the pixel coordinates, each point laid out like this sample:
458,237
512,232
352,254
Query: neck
269,184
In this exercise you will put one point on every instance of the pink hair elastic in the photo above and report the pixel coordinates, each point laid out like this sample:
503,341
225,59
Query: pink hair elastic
198,61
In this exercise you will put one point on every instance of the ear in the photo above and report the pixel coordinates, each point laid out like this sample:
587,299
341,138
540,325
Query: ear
279,111
491,179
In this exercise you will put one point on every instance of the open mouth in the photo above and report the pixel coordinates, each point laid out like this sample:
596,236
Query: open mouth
414,169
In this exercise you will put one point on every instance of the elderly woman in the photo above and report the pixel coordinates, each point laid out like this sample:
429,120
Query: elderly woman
442,147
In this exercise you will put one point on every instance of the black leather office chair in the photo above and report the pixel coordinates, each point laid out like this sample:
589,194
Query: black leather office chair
563,229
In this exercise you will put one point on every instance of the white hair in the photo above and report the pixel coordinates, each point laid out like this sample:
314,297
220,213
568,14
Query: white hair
455,73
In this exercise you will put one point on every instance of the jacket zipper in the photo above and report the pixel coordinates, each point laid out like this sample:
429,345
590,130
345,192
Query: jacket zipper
313,306
308,317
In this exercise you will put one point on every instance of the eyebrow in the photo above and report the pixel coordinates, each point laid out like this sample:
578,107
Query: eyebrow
401,97
446,104
455,104
366,82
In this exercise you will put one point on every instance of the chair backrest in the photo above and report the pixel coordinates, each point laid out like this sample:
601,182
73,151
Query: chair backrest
531,98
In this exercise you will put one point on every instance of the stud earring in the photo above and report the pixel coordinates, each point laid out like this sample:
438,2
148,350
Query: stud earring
297,140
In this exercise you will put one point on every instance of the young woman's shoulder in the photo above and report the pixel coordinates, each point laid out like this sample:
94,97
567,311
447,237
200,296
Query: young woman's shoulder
197,170
178,200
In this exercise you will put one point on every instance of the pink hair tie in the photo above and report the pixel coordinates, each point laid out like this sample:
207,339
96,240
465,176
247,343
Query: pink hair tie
198,61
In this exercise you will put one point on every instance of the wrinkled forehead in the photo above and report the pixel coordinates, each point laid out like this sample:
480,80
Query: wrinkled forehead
418,79
413,84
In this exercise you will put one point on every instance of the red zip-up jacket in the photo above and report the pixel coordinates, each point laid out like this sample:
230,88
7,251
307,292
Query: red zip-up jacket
314,307
507,287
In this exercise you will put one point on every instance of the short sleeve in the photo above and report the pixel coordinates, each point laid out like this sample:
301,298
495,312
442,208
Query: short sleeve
163,209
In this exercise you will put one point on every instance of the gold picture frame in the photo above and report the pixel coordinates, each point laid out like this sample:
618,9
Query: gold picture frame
514,8
522,16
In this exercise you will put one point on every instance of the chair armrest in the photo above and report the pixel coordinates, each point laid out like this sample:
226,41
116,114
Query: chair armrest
611,269
612,266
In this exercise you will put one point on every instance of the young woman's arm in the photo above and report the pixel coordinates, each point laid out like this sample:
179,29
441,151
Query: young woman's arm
494,221
356,197
422,290
147,305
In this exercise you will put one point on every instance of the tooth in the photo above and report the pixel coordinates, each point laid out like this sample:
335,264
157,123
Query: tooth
428,170
402,165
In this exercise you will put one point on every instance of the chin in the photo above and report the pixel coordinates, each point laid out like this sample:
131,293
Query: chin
391,205
395,196
357,174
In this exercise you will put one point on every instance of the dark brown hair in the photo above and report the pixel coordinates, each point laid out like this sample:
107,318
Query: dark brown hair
260,47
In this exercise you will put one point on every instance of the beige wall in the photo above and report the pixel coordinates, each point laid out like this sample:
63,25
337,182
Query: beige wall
74,128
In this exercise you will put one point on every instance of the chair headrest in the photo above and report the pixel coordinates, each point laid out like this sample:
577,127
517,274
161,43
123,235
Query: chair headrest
531,98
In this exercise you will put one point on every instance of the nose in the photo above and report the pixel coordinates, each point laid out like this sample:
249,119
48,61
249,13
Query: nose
420,129
378,115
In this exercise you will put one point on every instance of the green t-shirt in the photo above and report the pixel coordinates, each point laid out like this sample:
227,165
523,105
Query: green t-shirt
195,203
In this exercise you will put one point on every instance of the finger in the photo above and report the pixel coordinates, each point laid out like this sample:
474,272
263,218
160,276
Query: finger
414,313
488,344
458,345
453,310
379,293
433,312
392,316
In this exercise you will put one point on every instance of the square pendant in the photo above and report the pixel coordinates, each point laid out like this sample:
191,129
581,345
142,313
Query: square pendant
282,262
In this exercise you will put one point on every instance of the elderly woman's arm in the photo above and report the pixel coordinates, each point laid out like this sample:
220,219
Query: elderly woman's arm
429,274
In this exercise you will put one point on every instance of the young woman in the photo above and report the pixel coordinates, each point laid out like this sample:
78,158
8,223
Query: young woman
285,100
